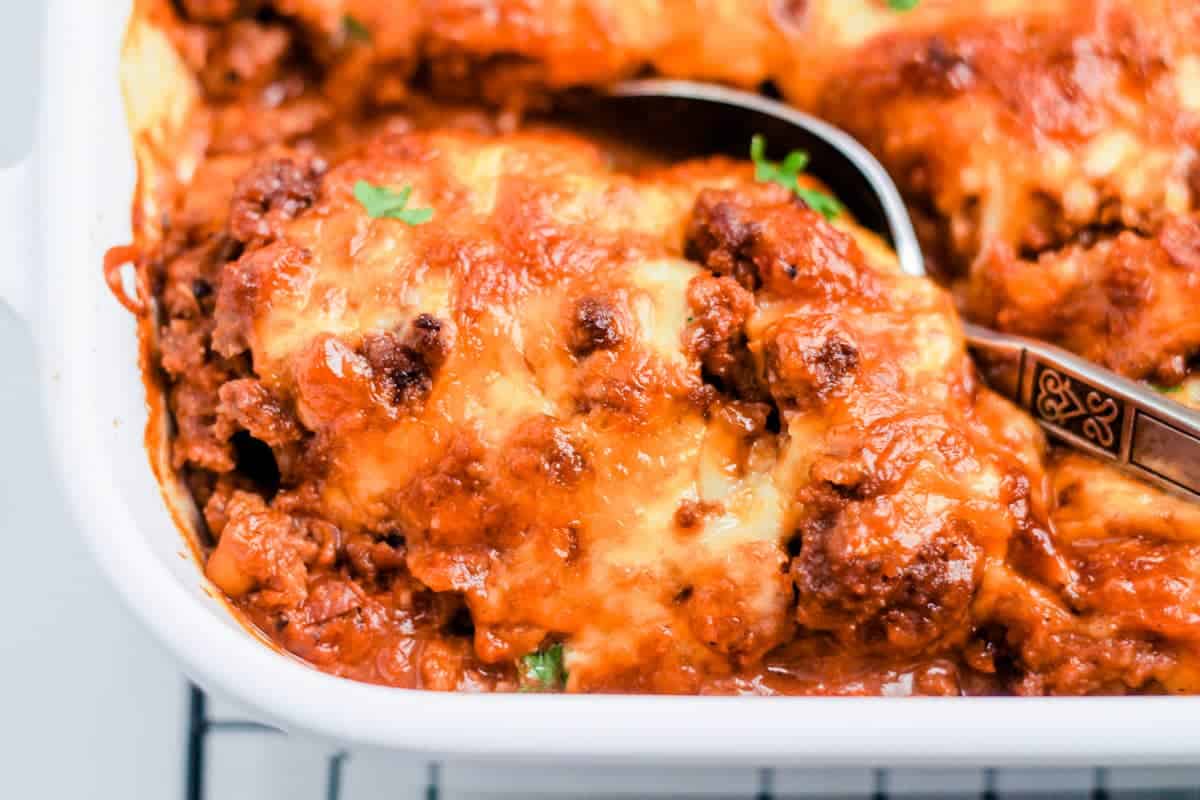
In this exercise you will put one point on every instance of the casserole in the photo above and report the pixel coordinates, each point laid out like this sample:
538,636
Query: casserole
94,397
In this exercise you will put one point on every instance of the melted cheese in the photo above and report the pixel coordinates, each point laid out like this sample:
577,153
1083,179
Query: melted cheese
559,466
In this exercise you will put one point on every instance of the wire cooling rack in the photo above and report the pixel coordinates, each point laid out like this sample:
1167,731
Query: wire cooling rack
230,757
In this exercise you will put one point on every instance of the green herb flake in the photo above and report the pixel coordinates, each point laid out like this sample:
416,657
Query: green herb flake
354,30
903,5
824,204
786,174
543,671
1161,389
381,202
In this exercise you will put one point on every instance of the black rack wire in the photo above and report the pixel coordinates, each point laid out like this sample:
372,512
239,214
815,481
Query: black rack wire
202,726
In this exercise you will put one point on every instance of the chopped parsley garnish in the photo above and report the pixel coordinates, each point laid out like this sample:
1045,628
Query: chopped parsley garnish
903,5
1161,389
786,172
543,671
380,201
354,30
824,204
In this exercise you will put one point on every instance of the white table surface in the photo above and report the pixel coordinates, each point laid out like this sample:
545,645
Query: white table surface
90,707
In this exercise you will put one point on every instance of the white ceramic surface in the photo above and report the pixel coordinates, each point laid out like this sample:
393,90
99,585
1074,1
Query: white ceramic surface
82,179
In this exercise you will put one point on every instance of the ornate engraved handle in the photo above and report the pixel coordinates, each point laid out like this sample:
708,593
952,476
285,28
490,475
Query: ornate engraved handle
1102,413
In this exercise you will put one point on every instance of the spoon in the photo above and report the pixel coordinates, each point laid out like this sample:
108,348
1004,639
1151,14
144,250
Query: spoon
1088,407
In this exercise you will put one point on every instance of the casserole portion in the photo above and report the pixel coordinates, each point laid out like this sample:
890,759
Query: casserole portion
673,422
471,404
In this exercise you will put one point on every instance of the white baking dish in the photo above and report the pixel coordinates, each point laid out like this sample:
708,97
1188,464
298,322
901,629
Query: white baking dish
82,177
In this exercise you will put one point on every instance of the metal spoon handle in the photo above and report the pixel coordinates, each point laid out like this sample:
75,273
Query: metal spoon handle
1101,413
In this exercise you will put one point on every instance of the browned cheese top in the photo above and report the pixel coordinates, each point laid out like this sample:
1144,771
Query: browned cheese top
667,417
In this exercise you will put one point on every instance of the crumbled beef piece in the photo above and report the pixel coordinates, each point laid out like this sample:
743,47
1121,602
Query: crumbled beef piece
248,405
595,325
272,193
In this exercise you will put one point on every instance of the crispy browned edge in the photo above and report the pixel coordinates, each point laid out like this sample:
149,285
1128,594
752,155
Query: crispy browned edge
162,100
